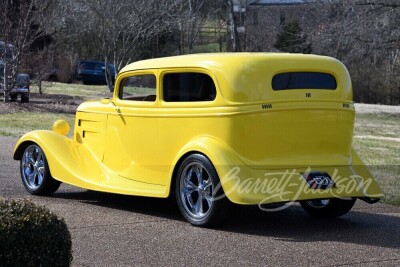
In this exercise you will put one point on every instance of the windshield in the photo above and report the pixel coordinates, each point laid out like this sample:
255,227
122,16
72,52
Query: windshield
22,80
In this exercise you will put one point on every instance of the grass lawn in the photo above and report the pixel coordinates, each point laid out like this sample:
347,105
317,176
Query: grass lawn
80,90
17,124
377,141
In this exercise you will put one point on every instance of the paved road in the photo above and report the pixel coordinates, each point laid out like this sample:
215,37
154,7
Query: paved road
113,230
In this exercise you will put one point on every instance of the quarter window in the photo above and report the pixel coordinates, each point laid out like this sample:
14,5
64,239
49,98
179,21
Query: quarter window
303,80
188,87
138,88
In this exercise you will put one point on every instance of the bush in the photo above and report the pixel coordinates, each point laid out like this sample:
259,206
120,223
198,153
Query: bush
31,235
292,39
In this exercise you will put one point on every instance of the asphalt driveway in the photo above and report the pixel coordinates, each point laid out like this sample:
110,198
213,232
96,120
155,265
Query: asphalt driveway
115,230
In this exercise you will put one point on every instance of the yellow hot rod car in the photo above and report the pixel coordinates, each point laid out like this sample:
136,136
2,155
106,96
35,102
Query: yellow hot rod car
247,128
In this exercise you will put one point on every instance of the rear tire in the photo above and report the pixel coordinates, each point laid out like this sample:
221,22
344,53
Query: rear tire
35,172
13,98
24,99
328,208
199,194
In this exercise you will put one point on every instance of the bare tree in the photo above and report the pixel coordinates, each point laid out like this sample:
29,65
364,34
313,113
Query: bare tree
232,26
193,18
21,25
116,30
365,35
119,28
41,64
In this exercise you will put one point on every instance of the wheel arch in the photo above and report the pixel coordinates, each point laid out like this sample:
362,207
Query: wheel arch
178,164
35,137
62,154
217,152
19,150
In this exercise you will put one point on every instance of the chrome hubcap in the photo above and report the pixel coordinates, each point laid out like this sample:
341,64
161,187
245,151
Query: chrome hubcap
196,190
318,203
33,167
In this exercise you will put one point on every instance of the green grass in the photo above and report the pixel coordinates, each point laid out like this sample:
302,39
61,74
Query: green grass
206,48
386,125
17,124
382,156
78,90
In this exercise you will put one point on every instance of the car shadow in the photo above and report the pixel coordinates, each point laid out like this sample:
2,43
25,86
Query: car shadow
295,225
292,224
158,207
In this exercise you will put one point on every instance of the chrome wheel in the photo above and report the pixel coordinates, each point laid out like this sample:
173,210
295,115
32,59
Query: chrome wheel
35,172
318,203
196,190
33,167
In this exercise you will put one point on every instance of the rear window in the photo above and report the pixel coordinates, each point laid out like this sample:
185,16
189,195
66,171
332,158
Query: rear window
188,87
303,80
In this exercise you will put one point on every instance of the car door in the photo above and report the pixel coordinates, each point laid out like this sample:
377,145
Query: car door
131,135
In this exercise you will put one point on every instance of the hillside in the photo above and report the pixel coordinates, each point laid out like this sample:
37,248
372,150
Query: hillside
365,35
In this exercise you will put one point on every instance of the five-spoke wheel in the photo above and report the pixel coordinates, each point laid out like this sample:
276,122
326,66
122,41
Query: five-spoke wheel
35,172
198,192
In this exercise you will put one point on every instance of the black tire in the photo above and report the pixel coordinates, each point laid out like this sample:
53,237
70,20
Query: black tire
328,208
24,99
13,98
35,172
201,200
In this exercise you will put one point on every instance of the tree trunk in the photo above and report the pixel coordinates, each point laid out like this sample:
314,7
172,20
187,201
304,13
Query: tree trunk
7,88
6,97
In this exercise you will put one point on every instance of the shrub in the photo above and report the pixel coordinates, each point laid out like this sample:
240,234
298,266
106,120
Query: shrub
292,39
31,235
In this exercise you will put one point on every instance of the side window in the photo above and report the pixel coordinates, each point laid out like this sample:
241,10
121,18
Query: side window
138,88
188,87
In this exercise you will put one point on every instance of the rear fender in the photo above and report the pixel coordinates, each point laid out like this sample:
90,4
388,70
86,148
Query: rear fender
221,156
371,187
236,177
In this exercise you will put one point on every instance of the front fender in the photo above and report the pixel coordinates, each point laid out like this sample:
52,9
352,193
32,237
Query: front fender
68,160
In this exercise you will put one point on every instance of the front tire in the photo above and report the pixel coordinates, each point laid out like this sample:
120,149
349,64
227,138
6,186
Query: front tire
199,193
35,172
328,208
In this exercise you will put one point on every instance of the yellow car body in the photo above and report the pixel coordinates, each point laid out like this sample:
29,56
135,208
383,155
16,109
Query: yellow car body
260,140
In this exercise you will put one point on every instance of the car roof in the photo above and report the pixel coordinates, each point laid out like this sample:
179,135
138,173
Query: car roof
215,60
245,77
